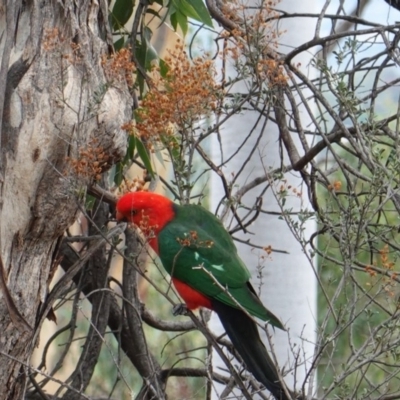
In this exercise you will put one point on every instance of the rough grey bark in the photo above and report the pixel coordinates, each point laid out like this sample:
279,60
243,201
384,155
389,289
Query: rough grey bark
55,100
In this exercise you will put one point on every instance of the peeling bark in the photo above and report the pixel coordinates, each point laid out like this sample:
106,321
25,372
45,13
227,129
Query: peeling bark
55,100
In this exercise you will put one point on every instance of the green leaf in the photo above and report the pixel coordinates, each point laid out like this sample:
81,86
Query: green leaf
145,52
117,173
89,202
131,148
119,44
140,51
202,12
151,53
121,13
173,146
193,9
153,12
174,21
144,155
182,22
134,143
164,68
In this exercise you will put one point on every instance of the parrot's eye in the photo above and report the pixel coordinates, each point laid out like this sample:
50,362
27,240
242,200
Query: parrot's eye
133,212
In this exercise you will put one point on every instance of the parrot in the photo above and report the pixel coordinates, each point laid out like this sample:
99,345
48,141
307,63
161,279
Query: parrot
200,256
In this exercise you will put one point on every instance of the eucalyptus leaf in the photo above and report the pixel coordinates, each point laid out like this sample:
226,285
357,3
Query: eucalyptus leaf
121,13
144,155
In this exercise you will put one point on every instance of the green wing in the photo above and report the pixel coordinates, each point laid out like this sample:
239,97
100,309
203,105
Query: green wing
196,249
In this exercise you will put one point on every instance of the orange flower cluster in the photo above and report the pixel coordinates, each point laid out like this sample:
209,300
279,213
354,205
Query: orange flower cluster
179,99
272,71
384,256
91,162
335,186
268,249
370,270
255,39
119,66
146,228
390,281
135,184
192,239
284,190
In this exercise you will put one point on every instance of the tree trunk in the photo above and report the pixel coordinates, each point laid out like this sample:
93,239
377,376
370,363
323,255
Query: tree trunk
55,102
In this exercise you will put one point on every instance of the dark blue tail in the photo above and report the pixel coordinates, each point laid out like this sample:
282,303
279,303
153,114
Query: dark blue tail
243,332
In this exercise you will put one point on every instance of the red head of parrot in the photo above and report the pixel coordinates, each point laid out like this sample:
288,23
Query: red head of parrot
148,211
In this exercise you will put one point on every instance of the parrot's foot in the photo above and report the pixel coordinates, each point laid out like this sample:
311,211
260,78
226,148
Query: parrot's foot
180,309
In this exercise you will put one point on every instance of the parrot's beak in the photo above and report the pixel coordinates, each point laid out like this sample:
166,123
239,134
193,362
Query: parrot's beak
120,217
